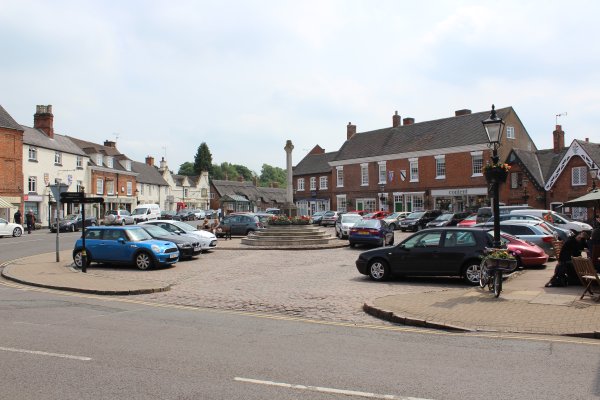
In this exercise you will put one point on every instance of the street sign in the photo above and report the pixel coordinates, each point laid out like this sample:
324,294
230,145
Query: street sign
65,196
90,200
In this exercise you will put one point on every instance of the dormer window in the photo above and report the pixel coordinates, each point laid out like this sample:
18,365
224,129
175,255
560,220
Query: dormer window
99,159
109,162
128,165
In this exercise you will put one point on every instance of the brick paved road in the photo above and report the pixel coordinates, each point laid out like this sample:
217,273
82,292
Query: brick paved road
318,284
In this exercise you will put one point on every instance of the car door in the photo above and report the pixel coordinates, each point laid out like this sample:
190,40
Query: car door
237,225
456,246
418,255
116,245
4,227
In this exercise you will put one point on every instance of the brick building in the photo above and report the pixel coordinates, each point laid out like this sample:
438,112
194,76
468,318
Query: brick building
312,179
11,166
416,166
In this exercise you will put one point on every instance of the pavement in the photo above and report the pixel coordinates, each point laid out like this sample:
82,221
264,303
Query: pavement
524,306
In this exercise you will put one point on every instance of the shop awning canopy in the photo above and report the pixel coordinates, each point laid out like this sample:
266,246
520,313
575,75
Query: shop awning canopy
5,203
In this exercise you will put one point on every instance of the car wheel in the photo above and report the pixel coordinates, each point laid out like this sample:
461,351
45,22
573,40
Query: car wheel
379,270
471,272
123,222
78,259
93,224
17,232
143,261
393,227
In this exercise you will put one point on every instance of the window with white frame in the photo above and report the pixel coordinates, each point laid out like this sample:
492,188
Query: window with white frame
364,174
342,205
514,180
417,203
129,188
313,183
382,172
32,184
440,167
78,186
579,176
109,162
128,165
110,187
99,159
322,182
99,186
185,192
32,153
339,176
300,184
57,158
477,163
414,169
79,163
370,205
510,132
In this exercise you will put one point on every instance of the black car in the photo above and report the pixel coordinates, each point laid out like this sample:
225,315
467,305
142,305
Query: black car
417,220
448,219
187,245
432,252
185,215
240,224
72,223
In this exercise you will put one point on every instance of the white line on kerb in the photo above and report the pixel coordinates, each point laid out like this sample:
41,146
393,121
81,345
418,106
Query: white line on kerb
43,353
327,390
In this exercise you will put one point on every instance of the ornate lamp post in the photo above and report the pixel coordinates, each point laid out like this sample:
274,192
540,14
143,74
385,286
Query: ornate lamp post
495,173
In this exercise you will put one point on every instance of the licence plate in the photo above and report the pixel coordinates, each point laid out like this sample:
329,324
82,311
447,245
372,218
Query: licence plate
363,232
173,255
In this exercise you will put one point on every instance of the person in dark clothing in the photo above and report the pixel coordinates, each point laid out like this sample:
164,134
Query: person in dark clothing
30,220
595,244
17,217
564,273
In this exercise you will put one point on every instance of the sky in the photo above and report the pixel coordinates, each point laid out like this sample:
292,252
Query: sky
161,77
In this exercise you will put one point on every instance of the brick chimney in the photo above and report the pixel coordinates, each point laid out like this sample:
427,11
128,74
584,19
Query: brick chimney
43,119
350,130
317,150
240,178
559,139
110,143
408,121
395,120
150,161
464,111
275,185
163,164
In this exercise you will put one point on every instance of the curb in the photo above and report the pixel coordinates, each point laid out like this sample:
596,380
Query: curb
409,321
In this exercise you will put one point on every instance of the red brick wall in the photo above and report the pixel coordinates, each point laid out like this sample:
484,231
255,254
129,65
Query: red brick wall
513,196
11,163
563,190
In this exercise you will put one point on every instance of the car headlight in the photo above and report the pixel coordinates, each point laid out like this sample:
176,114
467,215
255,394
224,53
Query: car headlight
155,248
184,245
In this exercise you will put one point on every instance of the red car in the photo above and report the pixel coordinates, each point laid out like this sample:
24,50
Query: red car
376,215
527,253
469,221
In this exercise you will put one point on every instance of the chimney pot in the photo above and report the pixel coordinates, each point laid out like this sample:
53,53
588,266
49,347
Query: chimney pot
350,130
395,120
408,121
150,161
464,111
110,143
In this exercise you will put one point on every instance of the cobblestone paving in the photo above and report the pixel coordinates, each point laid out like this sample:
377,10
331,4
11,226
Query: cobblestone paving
318,284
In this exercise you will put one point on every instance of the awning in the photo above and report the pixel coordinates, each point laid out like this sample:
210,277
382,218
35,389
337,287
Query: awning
5,203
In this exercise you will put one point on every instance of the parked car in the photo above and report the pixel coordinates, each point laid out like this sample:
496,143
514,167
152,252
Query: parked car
329,218
376,215
371,231
265,217
124,245
118,217
10,229
556,219
447,219
317,217
170,214
469,221
207,239
527,253
394,219
187,245
145,212
561,233
185,215
72,223
241,224
484,213
531,231
344,223
447,251
200,214
418,219
274,211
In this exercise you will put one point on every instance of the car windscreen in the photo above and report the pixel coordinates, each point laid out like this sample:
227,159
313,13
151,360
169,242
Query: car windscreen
139,211
155,231
351,218
415,215
444,217
184,227
367,223
137,235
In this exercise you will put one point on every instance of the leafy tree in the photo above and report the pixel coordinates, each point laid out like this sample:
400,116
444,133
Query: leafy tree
203,159
187,168
269,174
244,172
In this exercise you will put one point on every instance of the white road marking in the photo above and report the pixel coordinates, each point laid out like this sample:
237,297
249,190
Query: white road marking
327,390
43,353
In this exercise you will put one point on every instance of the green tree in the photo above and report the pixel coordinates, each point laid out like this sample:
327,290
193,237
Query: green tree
269,174
187,168
203,159
245,172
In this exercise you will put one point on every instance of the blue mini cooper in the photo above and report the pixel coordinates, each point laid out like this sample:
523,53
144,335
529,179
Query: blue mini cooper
124,245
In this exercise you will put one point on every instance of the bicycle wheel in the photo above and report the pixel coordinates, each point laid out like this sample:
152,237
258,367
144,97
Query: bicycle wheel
483,276
497,283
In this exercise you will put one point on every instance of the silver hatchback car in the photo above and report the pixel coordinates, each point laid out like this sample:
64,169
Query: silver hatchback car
118,217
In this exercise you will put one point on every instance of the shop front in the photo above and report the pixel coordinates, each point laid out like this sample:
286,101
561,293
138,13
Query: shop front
459,199
408,201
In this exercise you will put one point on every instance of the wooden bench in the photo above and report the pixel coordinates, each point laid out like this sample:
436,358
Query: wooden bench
588,275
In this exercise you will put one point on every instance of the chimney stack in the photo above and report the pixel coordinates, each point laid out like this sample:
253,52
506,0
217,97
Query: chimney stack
350,130
464,111
395,120
110,143
163,164
150,161
559,139
408,121
317,150
240,178
43,119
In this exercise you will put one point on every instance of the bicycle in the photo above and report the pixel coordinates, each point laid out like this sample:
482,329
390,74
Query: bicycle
492,269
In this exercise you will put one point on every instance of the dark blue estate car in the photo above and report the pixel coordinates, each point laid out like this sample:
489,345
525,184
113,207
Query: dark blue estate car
371,231
125,245
431,252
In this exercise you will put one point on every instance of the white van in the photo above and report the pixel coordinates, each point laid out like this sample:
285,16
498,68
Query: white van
561,221
146,212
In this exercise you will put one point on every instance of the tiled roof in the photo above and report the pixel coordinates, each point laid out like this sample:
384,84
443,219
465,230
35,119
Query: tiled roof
36,137
549,160
91,149
249,191
148,174
315,164
531,163
464,130
593,150
6,121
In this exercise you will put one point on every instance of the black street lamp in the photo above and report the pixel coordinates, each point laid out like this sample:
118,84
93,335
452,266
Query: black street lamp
494,127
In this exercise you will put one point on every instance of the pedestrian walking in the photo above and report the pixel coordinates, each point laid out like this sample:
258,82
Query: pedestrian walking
30,220
17,217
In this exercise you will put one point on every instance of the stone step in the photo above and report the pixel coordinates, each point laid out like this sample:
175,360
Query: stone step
288,233
250,241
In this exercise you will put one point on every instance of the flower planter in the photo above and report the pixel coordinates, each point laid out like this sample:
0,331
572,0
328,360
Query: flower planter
502,264
495,174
